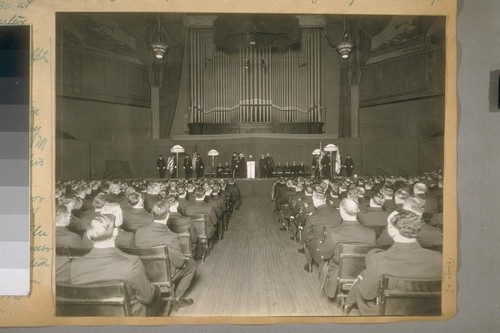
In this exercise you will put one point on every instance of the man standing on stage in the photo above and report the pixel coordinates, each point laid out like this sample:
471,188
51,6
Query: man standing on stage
262,167
315,166
235,164
199,166
349,166
242,166
269,165
325,165
161,166
188,167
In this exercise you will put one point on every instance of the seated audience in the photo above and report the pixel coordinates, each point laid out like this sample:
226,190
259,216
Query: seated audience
106,263
374,216
152,196
157,233
181,199
199,206
349,231
431,204
80,226
234,191
113,211
177,219
64,237
428,235
405,259
136,216
324,217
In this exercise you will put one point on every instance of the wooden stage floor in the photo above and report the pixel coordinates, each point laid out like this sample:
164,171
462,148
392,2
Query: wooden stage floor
256,271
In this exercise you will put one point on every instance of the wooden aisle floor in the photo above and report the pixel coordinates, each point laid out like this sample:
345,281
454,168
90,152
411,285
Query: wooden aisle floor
256,271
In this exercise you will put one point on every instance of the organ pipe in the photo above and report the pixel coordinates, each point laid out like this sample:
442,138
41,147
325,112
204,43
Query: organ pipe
277,86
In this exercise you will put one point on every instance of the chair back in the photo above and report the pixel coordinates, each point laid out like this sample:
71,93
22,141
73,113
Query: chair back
438,248
199,224
156,262
409,297
352,262
104,299
71,252
185,234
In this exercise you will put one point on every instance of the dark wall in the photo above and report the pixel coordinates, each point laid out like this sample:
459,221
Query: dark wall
96,120
419,118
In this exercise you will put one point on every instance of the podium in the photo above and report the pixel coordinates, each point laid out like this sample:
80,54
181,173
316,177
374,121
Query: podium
250,169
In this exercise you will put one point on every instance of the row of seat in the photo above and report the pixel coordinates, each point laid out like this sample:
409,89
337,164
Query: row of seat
113,298
397,296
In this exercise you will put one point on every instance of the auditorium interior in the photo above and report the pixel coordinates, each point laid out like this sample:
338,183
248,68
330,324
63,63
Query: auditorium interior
132,86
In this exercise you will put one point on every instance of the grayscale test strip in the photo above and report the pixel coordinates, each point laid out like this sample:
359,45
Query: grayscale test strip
14,160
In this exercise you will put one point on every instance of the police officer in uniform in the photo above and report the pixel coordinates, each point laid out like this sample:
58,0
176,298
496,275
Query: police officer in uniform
161,166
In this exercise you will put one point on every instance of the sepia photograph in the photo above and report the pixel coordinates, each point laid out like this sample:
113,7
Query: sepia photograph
249,165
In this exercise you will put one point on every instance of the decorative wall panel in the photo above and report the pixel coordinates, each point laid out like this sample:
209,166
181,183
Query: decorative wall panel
414,75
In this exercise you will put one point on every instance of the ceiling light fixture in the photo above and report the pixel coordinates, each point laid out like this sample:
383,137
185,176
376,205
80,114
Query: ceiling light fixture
159,47
345,46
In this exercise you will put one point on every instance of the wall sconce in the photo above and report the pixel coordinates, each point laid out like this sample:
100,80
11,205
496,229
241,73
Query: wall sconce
159,46
345,46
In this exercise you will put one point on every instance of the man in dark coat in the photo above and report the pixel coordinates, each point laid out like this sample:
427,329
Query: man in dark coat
348,166
161,166
188,167
322,219
199,206
176,220
64,237
349,231
325,166
242,166
105,263
269,165
315,169
200,166
405,259
136,216
157,233
262,167
374,216
235,172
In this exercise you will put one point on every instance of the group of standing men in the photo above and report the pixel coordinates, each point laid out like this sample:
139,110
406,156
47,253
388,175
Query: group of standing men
238,165
321,166
195,164
266,166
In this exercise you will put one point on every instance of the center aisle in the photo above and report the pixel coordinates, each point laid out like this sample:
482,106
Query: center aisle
256,271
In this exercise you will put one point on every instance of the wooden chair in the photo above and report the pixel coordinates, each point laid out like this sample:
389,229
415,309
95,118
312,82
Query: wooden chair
110,299
71,252
409,297
200,226
185,234
351,263
158,269
438,248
